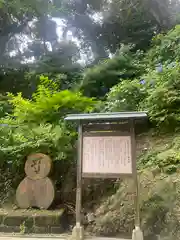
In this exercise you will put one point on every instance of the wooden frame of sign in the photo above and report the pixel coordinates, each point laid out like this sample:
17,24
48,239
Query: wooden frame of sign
106,149
107,154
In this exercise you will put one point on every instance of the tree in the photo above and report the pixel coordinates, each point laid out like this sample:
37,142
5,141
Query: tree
126,64
117,21
28,32
15,17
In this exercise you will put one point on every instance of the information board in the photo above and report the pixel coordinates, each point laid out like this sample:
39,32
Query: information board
107,155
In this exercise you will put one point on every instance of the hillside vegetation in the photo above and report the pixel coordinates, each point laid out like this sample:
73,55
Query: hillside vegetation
132,80
158,172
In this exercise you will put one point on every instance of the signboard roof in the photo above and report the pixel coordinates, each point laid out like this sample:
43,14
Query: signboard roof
114,116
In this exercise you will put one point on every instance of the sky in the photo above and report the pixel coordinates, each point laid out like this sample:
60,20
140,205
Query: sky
97,17
24,39
70,37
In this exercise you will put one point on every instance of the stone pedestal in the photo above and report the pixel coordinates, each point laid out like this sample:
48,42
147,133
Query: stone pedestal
137,234
78,233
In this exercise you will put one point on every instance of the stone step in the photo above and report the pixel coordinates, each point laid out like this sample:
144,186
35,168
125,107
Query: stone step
33,221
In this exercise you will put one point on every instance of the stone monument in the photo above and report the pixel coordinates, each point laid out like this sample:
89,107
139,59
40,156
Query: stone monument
36,189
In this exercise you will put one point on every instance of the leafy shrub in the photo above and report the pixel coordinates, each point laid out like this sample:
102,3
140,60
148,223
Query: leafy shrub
165,47
18,142
163,97
48,104
98,80
37,125
5,107
125,96
156,92
168,158
147,160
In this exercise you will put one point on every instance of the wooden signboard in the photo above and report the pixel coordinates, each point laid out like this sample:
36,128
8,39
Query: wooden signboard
108,156
106,149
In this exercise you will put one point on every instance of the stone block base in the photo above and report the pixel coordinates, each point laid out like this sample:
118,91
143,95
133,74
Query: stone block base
78,233
33,221
137,234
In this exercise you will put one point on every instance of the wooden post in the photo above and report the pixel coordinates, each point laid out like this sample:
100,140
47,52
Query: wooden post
137,203
135,176
79,177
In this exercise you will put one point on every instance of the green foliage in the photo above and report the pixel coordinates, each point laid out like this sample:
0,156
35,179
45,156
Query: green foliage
48,104
15,17
126,22
62,59
159,208
37,125
155,208
163,98
165,47
17,142
156,92
5,107
18,80
162,154
125,96
23,6
125,65
169,157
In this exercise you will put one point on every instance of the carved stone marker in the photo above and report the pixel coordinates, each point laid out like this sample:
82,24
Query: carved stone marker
35,193
36,189
38,166
24,193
